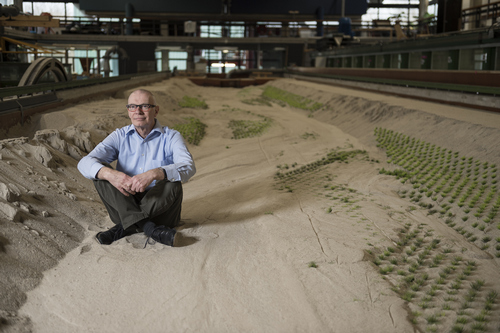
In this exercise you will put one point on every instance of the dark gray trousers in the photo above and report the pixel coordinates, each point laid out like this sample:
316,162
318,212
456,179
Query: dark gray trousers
161,204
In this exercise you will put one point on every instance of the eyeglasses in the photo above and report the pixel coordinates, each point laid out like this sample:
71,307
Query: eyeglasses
144,107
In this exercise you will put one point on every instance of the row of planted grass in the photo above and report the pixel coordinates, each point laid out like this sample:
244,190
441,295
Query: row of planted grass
249,128
461,189
287,179
437,282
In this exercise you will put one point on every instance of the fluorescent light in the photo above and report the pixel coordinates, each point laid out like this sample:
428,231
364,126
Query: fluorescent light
228,65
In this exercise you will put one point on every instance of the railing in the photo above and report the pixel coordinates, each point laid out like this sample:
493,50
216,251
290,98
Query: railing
147,26
151,26
92,25
480,16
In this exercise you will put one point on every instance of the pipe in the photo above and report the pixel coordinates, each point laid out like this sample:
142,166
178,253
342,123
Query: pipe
129,12
320,14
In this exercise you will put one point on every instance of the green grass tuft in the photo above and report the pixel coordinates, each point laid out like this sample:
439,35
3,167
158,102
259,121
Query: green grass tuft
192,102
193,131
249,128
312,264
293,100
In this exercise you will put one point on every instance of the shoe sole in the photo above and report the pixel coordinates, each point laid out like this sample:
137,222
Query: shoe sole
97,239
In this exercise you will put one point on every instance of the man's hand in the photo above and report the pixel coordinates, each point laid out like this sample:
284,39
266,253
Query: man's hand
120,180
130,185
143,180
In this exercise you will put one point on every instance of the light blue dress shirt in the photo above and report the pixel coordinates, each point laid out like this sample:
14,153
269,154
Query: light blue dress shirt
163,147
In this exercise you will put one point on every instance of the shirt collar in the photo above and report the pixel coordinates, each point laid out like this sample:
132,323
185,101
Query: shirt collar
130,129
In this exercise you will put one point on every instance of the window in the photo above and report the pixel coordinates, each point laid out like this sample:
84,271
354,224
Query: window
177,59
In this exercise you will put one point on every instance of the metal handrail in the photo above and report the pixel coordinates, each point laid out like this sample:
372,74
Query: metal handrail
480,13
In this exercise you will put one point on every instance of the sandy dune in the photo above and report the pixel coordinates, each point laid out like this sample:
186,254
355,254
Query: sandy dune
258,254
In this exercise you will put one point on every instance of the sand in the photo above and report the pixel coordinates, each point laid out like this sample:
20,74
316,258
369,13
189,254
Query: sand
256,254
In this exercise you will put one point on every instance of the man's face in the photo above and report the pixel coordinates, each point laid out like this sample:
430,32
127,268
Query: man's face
139,117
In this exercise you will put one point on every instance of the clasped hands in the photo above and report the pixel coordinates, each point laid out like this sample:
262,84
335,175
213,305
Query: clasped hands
130,185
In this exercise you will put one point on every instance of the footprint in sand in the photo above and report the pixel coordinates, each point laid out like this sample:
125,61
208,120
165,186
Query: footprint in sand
86,248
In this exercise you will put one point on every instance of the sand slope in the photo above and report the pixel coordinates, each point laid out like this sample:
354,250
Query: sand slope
257,254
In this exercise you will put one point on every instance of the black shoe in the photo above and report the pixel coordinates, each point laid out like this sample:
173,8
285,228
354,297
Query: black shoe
162,234
113,234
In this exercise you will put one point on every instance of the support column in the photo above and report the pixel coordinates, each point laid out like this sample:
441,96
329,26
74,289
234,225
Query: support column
98,64
164,60
286,56
258,56
285,29
422,8
320,14
423,26
19,4
190,59
129,12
